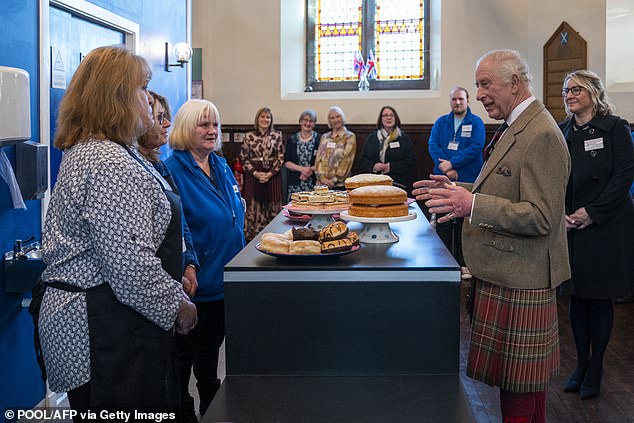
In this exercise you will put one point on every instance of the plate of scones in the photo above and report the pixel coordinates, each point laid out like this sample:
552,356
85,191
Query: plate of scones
333,240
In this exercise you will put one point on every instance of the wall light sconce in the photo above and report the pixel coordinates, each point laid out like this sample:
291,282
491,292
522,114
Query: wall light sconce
182,52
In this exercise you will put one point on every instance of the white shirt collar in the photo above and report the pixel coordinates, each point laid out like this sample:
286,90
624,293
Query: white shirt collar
519,109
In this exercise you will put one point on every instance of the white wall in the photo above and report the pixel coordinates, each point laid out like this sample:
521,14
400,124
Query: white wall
253,54
620,56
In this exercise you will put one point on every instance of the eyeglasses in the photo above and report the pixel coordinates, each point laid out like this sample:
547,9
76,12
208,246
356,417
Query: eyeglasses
386,115
576,90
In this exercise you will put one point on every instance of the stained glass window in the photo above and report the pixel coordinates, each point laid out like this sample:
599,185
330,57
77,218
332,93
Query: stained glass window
345,38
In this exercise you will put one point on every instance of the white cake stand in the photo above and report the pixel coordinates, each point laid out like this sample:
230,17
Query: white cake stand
319,218
376,230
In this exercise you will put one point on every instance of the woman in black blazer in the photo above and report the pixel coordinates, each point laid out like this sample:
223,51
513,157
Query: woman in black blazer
599,220
389,150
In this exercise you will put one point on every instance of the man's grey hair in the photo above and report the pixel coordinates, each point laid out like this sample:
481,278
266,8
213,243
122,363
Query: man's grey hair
509,63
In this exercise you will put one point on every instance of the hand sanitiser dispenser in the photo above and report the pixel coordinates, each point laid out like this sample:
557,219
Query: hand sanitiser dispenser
15,107
31,158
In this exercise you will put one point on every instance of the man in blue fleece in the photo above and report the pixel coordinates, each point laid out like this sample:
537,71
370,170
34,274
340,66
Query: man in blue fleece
455,146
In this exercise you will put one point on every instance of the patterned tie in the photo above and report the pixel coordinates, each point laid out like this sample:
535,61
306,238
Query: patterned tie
498,134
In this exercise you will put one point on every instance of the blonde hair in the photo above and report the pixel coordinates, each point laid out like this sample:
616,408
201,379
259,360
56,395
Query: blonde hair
101,101
186,120
589,80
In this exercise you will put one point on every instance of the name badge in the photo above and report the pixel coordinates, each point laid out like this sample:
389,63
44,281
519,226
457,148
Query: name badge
331,144
395,144
466,131
593,144
453,145
236,189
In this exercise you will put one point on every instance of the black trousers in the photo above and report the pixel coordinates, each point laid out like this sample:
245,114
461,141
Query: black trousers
451,235
79,400
199,349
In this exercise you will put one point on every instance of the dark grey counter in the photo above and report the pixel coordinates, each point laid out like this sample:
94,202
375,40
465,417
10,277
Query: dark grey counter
382,319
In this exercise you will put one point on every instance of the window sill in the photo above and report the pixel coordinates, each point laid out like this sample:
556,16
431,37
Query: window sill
361,95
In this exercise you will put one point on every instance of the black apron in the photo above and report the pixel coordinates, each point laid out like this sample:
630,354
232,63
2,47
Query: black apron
133,361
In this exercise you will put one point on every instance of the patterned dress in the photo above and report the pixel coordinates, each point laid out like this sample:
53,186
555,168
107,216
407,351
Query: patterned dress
334,158
262,153
301,153
106,220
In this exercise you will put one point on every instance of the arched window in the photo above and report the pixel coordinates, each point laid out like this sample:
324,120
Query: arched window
347,39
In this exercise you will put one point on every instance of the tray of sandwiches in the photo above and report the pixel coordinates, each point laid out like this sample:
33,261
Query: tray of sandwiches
333,240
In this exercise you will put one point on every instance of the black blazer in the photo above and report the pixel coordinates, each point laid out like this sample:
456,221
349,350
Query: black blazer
602,255
402,159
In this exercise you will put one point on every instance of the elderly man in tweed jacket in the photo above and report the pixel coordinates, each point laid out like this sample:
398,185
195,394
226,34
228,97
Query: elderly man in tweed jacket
514,239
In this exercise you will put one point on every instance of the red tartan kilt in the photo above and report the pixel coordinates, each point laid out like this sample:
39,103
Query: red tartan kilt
514,338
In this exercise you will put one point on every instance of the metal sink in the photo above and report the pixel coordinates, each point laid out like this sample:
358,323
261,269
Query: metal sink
22,271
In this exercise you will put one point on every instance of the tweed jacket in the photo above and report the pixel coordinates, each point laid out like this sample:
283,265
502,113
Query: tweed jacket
516,236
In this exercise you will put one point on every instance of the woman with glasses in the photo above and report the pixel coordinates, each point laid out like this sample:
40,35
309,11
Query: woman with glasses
301,149
176,261
262,156
599,220
336,152
389,150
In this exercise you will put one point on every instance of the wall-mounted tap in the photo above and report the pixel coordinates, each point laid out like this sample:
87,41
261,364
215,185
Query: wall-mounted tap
20,250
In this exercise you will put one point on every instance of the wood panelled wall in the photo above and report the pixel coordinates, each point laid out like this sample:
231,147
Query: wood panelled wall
419,135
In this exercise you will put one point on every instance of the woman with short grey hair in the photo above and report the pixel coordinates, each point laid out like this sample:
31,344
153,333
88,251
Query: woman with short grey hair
301,149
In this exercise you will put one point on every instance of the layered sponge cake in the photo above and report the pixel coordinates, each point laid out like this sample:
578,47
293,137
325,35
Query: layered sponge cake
378,201
367,179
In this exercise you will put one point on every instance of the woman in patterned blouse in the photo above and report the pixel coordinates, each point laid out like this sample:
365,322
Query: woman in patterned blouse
262,156
109,311
301,149
336,152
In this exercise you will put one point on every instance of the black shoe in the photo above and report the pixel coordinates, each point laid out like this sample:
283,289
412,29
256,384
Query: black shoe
591,383
576,379
188,415
624,300
207,395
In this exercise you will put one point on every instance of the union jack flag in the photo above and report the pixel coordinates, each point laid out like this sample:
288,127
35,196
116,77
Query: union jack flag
370,67
358,64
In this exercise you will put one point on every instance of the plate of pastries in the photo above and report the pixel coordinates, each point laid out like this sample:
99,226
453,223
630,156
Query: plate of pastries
333,240
320,199
300,217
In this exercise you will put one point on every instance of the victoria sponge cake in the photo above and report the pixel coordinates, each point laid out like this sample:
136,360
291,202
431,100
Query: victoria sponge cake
377,195
366,179
378,201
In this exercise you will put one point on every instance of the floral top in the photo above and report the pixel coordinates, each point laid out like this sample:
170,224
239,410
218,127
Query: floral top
302,153
334,158
106,219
